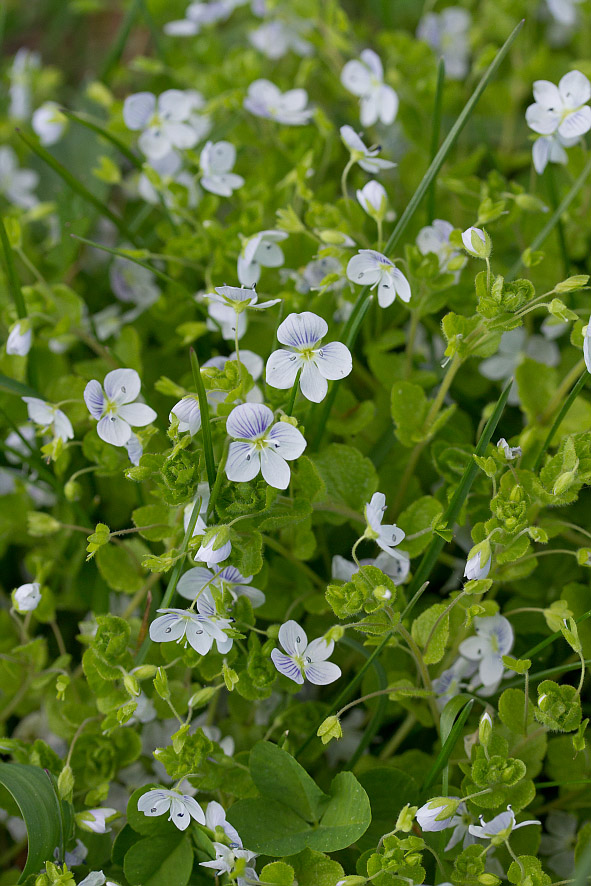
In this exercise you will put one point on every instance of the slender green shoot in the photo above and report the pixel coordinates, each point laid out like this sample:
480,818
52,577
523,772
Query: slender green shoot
83,120
435,131
123,253
205,425
14,286
448,745
559,418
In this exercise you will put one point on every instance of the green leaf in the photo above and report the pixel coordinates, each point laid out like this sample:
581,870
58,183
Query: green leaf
388,791
118,569
160,861
280,777
48,820
449,740
419,516
409,406
278,874
315,869
151,514
349,477
421,632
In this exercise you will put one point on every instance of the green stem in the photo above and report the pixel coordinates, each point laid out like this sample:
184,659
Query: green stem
13,281
559,226
435,130
344,176
205,425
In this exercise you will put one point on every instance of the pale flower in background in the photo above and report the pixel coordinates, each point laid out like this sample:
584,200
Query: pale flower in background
276,38
260,251
447,33
367,158
217,161
513,348
49,123
494,639
49,417
435,238
163,121
265,99
365,79
27,597
16,184
18,343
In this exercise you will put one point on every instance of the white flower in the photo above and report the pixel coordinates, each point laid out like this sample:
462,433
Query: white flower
371,268
395,567
366,157
365,79
438,814
435,238
114,408
170,172
132,283
189,414
373,199
260,251
587,346
274,39
182,807
25,62
564,12
224,319
77,855
226,858
510,452
96,820
501,825
476,568
451,681
560,841
239,299
217,160
194,580
447,34
550,149
212,552
49,123
387,536
200,629
49,417
263,445
162,121
197,15
475,242
144,712
494,638
215,820
17,184
19,340
303,659
561,109
302,333
27,597
94,878
513,347
265,99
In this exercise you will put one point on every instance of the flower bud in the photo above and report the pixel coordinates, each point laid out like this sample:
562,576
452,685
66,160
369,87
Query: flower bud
436,815
485,729
477,243
131,685
329,729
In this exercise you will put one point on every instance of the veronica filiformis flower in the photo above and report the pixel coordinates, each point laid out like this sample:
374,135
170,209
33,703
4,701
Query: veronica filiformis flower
238,299
215,820
387,536
452,681
50,418
365,79
260,251
163,121
447,33
493,640
20,337
510,452
114,406
560,115
501,826
435,238
215,547
96,820
199,629
229,859
133,284
302,660
49,123
559,842
367,158
319,363
513,348
196,16
262,444
20,74
265,99
373,199
371,268
217,161
182,807
231,579
276,38
27,597
438,814
17,184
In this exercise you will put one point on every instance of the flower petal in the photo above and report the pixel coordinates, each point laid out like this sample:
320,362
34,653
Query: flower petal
334,360
282,368
574,89
249,421
287,666
193,581
198,637
181,135
138,108
313,385
364,269
188,413
356,78
302,330
287,441
293,638
576,124
243,463
547,95
275,469
167,627
122,385
137,414
322,673
94,399
114,430
319,649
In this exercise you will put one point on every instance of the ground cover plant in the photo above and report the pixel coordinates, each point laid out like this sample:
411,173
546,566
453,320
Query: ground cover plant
296,440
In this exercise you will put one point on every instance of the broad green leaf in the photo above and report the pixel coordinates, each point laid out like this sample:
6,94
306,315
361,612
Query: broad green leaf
388,790
349,477
48,820
160,861
315,869
278,776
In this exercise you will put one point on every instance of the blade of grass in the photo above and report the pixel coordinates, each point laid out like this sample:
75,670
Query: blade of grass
176,573
118,45
124,254
555,636
353,322
435,129
205,426
555,217
559,226
449,743
83,120
559,418
10,386
76,185
381,702
13,281
454,507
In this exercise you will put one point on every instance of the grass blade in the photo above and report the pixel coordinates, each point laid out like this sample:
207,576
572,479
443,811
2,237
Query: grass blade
436,126
555,217
122,253
173,581
205,426
13,281
104,133
76,185
556,423
449,743
353,324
